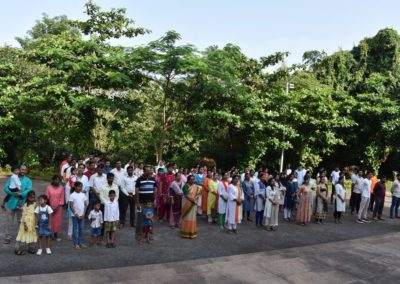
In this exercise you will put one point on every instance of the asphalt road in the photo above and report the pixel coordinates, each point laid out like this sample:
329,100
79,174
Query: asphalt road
168,246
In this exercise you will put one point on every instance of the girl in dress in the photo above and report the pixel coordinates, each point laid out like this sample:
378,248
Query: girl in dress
43,213
303,214
27,228
55,195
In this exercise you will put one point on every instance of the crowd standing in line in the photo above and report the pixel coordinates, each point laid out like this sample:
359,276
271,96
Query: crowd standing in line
92,190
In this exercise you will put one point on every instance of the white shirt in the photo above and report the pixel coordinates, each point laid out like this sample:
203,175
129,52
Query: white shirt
365,188
118,175
300,176
85,184
396,188
15,182
79,201
98,182
335,176
111,211
357,184
96,217
128,184
45,208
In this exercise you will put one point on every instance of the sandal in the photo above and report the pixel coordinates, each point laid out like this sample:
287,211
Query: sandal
19,252
7,241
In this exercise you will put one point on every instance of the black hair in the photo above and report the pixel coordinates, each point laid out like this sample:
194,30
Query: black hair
14,167
45,198
112,191
129,167
30,193
54,178
109,175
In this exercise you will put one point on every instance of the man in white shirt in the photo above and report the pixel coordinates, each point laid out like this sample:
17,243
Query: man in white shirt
365,198
356,180
394,207
334,178
127,197
119,174
110,185
97,182
83,179
301,173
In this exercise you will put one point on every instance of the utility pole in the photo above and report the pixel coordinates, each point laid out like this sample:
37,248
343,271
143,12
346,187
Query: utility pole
288,87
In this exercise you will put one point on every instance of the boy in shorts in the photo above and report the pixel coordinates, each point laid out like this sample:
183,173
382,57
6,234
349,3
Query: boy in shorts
111,219
96,219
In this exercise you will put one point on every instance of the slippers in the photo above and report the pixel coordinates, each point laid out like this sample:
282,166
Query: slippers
7,241
19,252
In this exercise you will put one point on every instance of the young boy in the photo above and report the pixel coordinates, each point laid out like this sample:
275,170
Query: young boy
148,216
15,186
77,204
111,218
96,219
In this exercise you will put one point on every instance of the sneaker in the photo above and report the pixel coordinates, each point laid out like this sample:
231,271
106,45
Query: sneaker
360,221
39,252
48,250
366,221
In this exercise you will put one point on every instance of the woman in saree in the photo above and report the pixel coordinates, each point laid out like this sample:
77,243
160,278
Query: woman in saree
304,209
175,191
321,208
191,194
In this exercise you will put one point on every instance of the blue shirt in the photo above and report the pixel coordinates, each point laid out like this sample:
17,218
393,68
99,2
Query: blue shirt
26,186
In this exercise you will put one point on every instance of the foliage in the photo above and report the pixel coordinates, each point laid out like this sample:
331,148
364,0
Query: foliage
68,89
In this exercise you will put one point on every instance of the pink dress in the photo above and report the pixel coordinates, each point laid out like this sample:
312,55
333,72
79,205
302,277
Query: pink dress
56,201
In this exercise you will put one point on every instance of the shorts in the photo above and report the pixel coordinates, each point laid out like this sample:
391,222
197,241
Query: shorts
147,229
95,232
110,226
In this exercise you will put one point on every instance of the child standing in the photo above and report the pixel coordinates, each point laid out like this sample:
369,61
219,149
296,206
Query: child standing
111,218
27,231
77,204
43,213
15,186
148,216
96,218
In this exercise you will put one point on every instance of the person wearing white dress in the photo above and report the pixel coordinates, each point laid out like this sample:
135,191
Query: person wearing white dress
222,201
340,200
235,199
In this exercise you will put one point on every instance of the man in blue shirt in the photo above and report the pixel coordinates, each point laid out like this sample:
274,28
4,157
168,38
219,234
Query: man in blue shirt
13,211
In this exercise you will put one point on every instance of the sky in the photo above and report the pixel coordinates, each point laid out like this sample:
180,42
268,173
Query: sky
259,27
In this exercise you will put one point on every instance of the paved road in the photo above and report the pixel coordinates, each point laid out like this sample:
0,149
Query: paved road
367,260
169,247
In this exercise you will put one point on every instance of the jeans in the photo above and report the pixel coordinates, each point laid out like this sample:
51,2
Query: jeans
395,207
77,231
13,217
378,206
259,217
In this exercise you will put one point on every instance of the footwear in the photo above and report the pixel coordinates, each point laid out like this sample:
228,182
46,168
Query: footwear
375,219
39,252
366,221
77,247
380,218
58,239
19,252
83,246
340,221
360,221
249,219
234,231
7,241
48,250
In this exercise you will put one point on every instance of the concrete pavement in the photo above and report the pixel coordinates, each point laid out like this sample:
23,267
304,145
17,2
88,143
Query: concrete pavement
366,260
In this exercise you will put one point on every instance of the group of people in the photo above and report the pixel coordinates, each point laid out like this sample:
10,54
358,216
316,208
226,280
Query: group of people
92,190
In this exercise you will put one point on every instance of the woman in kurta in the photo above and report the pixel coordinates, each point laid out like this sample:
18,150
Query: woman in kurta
212,198
321,208
176,193
290,197
204,192
235,199
304,210
248,191
340,200
222,200
192,192
55,195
